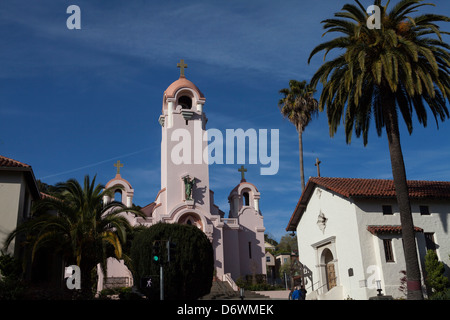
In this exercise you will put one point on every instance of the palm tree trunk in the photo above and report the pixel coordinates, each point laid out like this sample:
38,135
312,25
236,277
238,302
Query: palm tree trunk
401,190
300,149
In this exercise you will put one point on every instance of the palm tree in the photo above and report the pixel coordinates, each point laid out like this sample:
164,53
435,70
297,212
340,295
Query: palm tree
299,106
84,229
381,73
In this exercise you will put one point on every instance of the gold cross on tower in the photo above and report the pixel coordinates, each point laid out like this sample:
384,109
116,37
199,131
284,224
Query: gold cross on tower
182,65
242,170
118,165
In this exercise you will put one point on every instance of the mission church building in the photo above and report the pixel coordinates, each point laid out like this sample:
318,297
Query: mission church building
185,196
349,234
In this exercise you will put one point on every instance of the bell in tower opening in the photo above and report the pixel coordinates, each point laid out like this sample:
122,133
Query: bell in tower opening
185,102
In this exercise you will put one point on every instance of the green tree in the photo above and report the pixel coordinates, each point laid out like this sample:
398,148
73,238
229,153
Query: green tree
381,73
299,106
76,223
11,284
435,269
288,244
190,271
269,238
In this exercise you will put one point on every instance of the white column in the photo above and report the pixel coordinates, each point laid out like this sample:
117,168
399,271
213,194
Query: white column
106,200
170,114
256,204
129,202
236,206
200,107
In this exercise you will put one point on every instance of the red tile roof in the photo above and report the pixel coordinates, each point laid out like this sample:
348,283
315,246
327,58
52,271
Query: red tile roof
388,229
367,188
381,188
10,163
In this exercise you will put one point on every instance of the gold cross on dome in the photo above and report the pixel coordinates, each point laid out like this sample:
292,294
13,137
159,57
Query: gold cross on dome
242,170
118,165
182,65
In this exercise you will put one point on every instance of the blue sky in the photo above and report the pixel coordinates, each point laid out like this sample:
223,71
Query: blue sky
73,102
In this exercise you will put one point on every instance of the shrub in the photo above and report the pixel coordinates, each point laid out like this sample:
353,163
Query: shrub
188,275
442,295
435,273
11,285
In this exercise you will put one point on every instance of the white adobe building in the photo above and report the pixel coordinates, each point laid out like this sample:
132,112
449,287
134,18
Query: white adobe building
349,234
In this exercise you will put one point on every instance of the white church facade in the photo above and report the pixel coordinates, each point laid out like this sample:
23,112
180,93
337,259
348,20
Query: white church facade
349,235
185,196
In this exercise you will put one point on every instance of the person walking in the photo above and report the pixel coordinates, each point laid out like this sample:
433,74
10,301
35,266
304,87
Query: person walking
303,293
296,294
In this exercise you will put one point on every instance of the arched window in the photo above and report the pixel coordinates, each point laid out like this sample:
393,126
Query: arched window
185,102
118,196
246,199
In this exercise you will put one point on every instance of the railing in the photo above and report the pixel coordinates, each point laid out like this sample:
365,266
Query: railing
318,290
227,277
312,286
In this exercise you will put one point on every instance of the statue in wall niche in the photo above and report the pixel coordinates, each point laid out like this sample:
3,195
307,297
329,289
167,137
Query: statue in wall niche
188,186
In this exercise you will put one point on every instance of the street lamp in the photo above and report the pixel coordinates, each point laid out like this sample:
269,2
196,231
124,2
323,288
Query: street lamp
379,287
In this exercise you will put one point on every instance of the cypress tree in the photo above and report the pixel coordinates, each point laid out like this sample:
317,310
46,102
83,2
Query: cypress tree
435,269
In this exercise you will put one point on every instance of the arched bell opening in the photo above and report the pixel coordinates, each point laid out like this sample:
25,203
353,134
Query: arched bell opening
185,102
246,197
118,196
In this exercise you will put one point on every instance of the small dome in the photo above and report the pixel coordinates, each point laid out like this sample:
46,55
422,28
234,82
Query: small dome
117,181
182,83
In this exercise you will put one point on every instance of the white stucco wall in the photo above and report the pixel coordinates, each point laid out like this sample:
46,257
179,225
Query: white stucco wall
354,247
369,212
338,236
13,202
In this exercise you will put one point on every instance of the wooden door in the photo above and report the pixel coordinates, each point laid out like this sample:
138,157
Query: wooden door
331,276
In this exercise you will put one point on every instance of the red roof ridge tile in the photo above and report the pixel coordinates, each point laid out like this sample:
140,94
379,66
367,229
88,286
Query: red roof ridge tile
11,163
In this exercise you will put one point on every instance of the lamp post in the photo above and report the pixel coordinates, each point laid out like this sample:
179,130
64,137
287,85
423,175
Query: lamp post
380,296
379,287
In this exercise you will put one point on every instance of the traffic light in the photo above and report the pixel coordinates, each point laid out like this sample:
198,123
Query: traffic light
170,250
156,252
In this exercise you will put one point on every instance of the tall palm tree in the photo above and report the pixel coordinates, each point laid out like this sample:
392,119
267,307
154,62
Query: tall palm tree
84,229
382,72
299,106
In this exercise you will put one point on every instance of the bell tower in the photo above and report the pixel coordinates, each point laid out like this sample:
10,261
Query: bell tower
184,171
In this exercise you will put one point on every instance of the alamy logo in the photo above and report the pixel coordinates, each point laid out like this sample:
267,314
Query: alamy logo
74,21
374,21
375,274
73,275
189,149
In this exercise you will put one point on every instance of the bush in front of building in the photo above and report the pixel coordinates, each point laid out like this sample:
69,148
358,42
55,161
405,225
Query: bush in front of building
435,279
190,271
